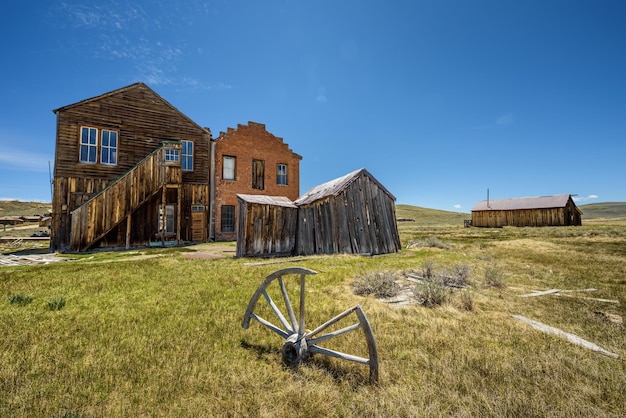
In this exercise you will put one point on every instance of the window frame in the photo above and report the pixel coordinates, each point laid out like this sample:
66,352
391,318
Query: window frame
234,167
282,176
227,219
110,150
89,145
171,156
186,157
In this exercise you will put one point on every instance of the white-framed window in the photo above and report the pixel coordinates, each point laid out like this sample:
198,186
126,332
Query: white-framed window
88,145
171,155
108,147
228,167
281,174
187,155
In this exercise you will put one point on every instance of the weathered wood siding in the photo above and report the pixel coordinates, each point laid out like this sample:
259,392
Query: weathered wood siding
144,121
360,220
105,210
519,217
265,230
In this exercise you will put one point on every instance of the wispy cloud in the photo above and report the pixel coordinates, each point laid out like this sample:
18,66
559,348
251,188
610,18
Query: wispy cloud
125,31
505,120
457,206
16,159
584,198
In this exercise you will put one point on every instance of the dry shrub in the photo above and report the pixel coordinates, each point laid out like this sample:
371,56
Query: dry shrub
380,284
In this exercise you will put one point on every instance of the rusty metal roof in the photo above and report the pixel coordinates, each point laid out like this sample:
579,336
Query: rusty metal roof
267,200
541,202
336,186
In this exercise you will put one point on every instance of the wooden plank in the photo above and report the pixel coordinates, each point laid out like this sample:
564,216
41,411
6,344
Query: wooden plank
574,339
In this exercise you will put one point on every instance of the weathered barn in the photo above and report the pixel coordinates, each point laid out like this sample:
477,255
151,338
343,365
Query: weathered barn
559,210
353,214
266,226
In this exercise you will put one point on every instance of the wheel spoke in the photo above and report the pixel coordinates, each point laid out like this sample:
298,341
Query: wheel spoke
338,354
292,315
277,311
271,326
301,330
334,334
330,322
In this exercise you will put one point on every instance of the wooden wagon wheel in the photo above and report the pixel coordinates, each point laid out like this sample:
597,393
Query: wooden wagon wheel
301,342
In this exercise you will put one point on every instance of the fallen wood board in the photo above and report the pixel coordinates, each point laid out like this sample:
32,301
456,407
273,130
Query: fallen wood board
545,292
596,299
570,337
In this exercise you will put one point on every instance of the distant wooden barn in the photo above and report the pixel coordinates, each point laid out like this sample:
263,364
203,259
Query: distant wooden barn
353,214
559,210
266,226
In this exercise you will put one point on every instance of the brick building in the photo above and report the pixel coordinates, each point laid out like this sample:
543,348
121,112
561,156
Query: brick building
250,160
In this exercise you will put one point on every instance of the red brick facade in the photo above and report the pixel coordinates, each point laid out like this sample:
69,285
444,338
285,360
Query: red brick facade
246,147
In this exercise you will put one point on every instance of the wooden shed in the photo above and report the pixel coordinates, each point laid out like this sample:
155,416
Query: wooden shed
558,210
353,214
266,226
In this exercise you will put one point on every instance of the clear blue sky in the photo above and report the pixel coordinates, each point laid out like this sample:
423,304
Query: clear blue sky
439,100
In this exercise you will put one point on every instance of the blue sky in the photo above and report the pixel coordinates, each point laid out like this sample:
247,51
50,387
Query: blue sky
439,100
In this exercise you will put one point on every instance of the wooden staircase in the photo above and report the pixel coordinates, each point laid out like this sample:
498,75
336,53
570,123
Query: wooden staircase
107,209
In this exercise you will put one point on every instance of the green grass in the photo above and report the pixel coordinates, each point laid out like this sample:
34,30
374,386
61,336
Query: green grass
162,336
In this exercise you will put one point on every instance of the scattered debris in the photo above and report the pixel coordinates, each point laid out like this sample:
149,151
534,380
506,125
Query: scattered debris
32,259
615,318
560,292
545,292
570,337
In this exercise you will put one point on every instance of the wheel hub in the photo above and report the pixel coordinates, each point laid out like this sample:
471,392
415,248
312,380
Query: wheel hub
295,350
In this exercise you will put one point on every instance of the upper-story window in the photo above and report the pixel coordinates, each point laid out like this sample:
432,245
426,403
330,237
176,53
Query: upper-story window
258,174
108,149
228,167
171,155
281,174
187,151
89,146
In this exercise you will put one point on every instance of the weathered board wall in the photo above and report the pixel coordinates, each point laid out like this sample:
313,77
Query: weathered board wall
266,228
143,121
361,219
566,215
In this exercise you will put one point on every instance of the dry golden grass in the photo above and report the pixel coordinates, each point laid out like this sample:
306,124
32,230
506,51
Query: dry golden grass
162,336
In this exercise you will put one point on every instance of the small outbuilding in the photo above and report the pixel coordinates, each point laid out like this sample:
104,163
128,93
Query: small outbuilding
353,214
266,226
558,210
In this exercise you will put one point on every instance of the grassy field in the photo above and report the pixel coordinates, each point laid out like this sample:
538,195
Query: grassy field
156,333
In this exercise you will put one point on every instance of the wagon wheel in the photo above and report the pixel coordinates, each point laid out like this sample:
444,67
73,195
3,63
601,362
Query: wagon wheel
301,342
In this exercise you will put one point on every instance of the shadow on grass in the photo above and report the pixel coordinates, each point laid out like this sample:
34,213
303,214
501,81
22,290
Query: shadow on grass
350,375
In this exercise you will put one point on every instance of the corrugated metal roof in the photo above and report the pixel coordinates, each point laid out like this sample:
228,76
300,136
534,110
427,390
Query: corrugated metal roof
267,200
336,186
541,202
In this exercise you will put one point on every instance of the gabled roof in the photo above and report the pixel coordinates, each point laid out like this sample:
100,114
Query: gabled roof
138,85
267,200
541,202
335,187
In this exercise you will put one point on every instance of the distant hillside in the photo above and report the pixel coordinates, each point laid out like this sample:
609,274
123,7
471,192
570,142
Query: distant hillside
424,216
604,210
17,208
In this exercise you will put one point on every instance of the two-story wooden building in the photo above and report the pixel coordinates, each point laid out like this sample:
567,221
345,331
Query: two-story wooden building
131,169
